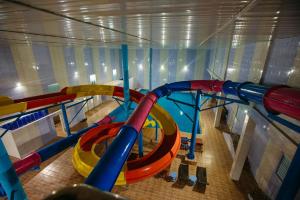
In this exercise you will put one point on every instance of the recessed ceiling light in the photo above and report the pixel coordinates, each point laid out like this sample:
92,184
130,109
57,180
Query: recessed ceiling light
277,12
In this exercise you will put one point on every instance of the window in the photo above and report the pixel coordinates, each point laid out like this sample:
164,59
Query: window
283,167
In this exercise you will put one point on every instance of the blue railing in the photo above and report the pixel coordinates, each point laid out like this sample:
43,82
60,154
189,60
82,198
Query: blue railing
26,119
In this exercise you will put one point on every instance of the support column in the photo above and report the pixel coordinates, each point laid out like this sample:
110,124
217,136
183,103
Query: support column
218,112
65,118
156,131
150,71
125,77
190,154
8,177
242,149
140,141
291,184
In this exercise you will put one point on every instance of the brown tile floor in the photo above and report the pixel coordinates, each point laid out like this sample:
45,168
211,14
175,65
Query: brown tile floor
215,157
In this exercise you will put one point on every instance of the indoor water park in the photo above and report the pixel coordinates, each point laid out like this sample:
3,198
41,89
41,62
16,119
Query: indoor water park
147,100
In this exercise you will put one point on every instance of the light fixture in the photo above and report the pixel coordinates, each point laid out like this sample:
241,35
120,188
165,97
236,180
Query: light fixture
230,69
245,111
275,17
277,12
114,72
290,72
105,69
264,126
188,10
86,64
83,8
86,18
35,67
181,113
162,68
19,85
93,78
185,68
76,74
140,67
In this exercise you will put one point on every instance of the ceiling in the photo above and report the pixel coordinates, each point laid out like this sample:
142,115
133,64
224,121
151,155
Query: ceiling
163,23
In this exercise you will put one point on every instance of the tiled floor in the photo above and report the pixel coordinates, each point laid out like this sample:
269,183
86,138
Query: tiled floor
215,157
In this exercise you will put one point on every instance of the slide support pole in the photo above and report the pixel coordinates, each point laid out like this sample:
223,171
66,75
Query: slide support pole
140,140
65,118
8,177
156,131
150,69
190,154
125,77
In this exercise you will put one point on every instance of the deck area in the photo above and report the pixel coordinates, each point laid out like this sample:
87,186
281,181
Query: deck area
215,157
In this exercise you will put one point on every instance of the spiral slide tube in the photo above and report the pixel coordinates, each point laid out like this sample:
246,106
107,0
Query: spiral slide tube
277,100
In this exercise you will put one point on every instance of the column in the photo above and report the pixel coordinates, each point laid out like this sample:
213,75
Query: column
125,76
218,112
191,155
242,149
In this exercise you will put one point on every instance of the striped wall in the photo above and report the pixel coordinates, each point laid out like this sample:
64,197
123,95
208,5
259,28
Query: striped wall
28,70
266,62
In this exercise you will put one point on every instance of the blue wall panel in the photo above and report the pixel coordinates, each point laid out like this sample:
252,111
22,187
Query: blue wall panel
231,57
246,62
140,72
281,60
219,62
208,56
156,68
88,62
71,65
44,64
172,65
103,77
113,63
191,55
9,76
